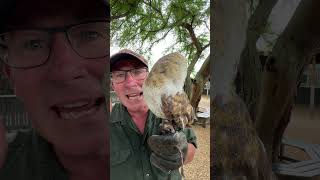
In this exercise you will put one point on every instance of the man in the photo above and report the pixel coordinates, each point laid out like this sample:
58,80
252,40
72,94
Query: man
55,56
133,125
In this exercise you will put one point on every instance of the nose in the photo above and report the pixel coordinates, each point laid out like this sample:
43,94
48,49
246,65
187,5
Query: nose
64,63
129,80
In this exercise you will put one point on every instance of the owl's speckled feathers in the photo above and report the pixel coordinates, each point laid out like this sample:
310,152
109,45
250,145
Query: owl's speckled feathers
238,152
164,95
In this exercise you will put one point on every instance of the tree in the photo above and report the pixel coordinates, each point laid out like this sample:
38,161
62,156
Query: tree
265,82
142,24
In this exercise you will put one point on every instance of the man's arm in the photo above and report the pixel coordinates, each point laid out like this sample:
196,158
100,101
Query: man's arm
190,153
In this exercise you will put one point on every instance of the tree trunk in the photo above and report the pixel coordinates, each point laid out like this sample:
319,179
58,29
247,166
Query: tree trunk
230,21
250,66
189,85
268,91
280,80
200,80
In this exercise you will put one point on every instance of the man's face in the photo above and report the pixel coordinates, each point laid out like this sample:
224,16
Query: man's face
64,97
129,91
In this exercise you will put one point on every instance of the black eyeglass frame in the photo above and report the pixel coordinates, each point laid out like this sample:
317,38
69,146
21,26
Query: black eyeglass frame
51,31
126,73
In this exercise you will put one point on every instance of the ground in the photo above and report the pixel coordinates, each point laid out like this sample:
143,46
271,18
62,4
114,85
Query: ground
305,126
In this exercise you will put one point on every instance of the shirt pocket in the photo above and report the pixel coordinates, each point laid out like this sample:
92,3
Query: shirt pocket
120,156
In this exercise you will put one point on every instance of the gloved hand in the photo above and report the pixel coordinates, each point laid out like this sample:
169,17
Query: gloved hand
168,151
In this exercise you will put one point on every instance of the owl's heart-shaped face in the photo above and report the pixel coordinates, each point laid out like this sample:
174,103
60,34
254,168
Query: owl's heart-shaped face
171,68
166,77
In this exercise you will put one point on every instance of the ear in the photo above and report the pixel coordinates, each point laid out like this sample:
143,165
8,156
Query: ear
111,85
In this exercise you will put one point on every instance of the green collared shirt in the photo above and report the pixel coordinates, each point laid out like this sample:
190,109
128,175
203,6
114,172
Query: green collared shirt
31,157
129,151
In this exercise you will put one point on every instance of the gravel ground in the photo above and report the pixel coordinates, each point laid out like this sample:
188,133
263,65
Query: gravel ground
304,127
199,168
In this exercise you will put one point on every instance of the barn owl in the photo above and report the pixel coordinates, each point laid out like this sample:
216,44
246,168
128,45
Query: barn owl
238,152
164,95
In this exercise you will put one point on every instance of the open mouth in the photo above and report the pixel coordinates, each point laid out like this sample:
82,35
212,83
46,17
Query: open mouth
134,96
78,109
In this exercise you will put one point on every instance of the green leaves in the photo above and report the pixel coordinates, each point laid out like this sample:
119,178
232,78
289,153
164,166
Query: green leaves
139,24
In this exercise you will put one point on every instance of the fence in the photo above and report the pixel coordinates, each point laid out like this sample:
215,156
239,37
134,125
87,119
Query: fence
12,111
207,88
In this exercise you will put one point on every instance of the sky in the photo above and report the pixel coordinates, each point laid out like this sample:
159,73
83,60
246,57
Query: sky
278,21
158,51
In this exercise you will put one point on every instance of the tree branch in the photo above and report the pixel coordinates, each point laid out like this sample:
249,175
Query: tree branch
205,46
154,8
160,39
119,16
193,37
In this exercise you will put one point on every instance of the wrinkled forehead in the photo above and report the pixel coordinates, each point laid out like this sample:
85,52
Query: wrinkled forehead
28,12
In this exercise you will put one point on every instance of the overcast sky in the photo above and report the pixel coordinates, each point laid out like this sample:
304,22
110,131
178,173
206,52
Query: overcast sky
159,49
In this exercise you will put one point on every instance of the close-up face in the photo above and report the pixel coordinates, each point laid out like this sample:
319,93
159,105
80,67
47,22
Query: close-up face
129,91
60,82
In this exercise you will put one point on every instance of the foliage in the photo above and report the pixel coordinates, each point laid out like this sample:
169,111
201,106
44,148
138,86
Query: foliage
141,24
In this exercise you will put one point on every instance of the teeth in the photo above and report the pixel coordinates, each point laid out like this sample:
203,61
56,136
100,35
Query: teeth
77,104
133,96
76,115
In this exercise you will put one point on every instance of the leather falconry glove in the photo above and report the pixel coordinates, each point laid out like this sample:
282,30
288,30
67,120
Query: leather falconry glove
168,151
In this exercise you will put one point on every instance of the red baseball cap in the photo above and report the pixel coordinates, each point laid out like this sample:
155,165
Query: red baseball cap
126,54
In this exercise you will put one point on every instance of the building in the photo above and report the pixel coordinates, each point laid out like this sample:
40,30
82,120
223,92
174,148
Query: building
11,109
308,91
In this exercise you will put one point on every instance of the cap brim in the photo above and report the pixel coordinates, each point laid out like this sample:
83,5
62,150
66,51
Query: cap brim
125,56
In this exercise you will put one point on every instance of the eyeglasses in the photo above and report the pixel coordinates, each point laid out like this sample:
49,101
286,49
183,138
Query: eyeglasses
137,74
31,47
